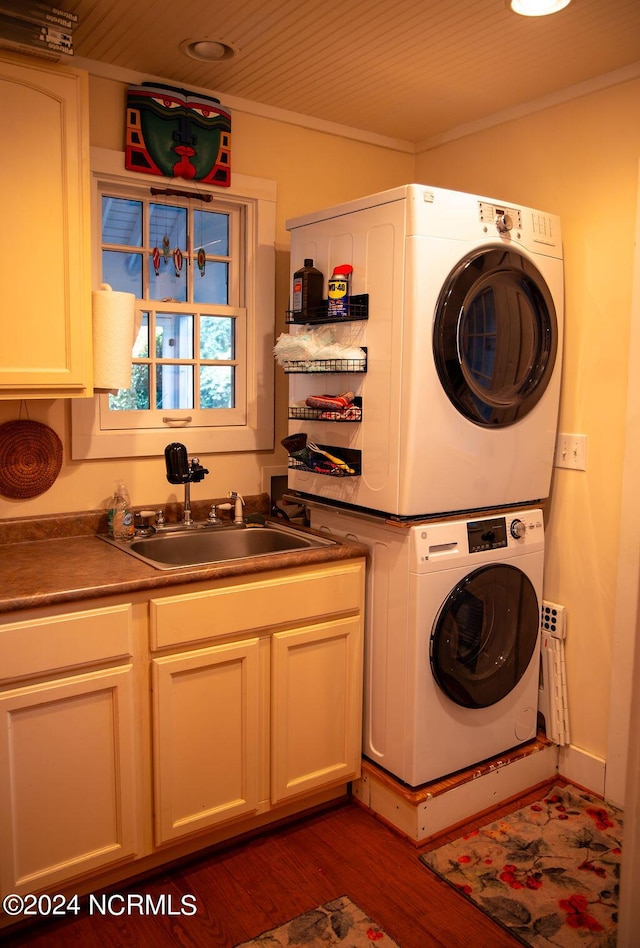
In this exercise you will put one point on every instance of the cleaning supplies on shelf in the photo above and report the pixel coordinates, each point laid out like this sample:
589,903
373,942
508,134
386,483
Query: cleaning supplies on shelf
308,286
339,291
330,402
120,514
317,459
315,348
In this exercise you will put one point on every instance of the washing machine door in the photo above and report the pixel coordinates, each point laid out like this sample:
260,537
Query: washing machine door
485,635
495,336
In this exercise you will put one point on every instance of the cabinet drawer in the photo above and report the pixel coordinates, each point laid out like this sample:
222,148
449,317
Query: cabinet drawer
32,647
247,607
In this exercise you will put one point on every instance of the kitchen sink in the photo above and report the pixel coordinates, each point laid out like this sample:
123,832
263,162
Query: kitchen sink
196,546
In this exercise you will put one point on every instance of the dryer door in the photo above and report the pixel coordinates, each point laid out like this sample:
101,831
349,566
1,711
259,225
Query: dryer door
485,635
495,336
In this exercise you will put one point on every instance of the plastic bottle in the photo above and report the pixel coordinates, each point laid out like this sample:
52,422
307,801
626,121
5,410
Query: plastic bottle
308,286
120,515
339,291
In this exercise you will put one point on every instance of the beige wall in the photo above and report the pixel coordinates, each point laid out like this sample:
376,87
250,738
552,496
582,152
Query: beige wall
578,160
312,169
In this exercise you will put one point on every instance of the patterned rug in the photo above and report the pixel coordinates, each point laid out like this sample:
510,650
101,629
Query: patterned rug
339,922
548,873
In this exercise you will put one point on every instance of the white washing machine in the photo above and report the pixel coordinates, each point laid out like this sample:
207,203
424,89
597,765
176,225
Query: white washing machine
452,638
460,315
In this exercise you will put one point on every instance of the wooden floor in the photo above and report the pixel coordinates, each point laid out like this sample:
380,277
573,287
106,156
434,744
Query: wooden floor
259,884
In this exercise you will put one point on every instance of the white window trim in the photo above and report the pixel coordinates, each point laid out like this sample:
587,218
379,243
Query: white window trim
89,440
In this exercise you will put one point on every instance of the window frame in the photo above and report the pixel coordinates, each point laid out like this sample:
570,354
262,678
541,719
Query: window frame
256,327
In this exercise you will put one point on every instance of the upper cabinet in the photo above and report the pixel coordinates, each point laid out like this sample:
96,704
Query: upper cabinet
45,278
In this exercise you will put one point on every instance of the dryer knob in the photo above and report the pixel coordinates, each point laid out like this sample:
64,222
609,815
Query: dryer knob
518,529
503,222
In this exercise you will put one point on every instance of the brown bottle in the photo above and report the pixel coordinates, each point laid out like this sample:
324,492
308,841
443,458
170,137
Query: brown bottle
308,286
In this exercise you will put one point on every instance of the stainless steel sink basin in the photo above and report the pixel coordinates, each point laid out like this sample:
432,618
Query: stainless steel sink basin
198,546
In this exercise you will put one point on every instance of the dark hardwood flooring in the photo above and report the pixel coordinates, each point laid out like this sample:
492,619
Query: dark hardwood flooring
258,884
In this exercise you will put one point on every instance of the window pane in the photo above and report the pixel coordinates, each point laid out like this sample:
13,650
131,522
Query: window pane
211,232
216,386
136,397
121,222
170,283
216,337
174,386
174,336
168,221
122,271
141,344
213,287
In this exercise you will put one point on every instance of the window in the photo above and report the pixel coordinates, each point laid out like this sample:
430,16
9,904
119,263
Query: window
201,267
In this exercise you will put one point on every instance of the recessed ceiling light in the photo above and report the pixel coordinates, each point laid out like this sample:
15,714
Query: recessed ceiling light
207,50
538,7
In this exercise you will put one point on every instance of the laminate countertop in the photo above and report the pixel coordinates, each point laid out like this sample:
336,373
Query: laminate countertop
58,569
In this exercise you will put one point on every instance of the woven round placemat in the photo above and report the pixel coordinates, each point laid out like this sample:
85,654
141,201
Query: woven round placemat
30,458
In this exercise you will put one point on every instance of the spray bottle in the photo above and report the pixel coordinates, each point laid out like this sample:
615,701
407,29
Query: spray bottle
338,287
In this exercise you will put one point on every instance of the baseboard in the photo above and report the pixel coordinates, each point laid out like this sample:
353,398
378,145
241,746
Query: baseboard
582,768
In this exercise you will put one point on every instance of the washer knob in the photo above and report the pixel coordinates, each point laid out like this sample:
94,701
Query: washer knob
518,529
503,222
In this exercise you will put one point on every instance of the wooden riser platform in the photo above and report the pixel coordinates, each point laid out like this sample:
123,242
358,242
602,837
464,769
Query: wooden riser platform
423,812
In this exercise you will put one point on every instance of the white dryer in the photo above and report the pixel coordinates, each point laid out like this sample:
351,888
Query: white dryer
452,638
460,315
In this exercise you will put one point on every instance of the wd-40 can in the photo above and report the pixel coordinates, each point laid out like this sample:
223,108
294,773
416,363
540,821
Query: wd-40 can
338,291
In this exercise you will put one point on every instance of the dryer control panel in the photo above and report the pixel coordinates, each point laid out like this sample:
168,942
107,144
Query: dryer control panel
487,534
457,543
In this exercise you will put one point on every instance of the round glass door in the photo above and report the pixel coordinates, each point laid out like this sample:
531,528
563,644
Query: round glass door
485,635
495,336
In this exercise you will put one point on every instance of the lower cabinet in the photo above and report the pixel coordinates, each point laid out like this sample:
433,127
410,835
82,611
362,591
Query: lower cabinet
207,707
135,732
67,783
244,726
315,707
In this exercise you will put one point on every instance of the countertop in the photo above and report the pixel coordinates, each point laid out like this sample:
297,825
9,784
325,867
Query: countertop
60,569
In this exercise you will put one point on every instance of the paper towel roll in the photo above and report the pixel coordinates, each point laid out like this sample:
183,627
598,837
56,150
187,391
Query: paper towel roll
113,338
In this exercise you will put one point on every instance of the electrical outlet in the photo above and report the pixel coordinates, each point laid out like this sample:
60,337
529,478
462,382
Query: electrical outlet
571,451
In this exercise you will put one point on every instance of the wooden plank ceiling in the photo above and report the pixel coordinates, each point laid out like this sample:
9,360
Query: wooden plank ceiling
410,70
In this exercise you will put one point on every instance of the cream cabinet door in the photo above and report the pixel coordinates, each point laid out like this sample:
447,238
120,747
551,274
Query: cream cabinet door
316,704
206,731
67,790
44,238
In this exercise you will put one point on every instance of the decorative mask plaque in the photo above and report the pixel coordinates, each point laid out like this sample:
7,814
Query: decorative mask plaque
177,134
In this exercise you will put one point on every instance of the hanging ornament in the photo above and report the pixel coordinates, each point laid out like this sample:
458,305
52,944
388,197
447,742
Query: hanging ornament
166,248
202,261
155,256
177,260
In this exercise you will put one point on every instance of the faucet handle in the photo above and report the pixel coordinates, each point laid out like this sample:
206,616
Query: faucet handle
160,520
146,527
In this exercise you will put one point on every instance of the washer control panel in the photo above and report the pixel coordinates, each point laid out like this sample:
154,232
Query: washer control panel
487,534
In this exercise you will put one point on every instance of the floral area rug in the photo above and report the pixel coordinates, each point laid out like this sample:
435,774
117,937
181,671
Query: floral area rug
339,922
548,873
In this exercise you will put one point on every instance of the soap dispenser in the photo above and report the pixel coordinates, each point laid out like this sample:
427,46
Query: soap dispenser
120,514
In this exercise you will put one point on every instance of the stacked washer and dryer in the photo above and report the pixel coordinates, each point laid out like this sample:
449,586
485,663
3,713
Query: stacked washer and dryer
459,319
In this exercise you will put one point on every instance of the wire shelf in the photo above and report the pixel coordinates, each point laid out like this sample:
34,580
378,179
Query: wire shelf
358,309
353,413
306,366
328,472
